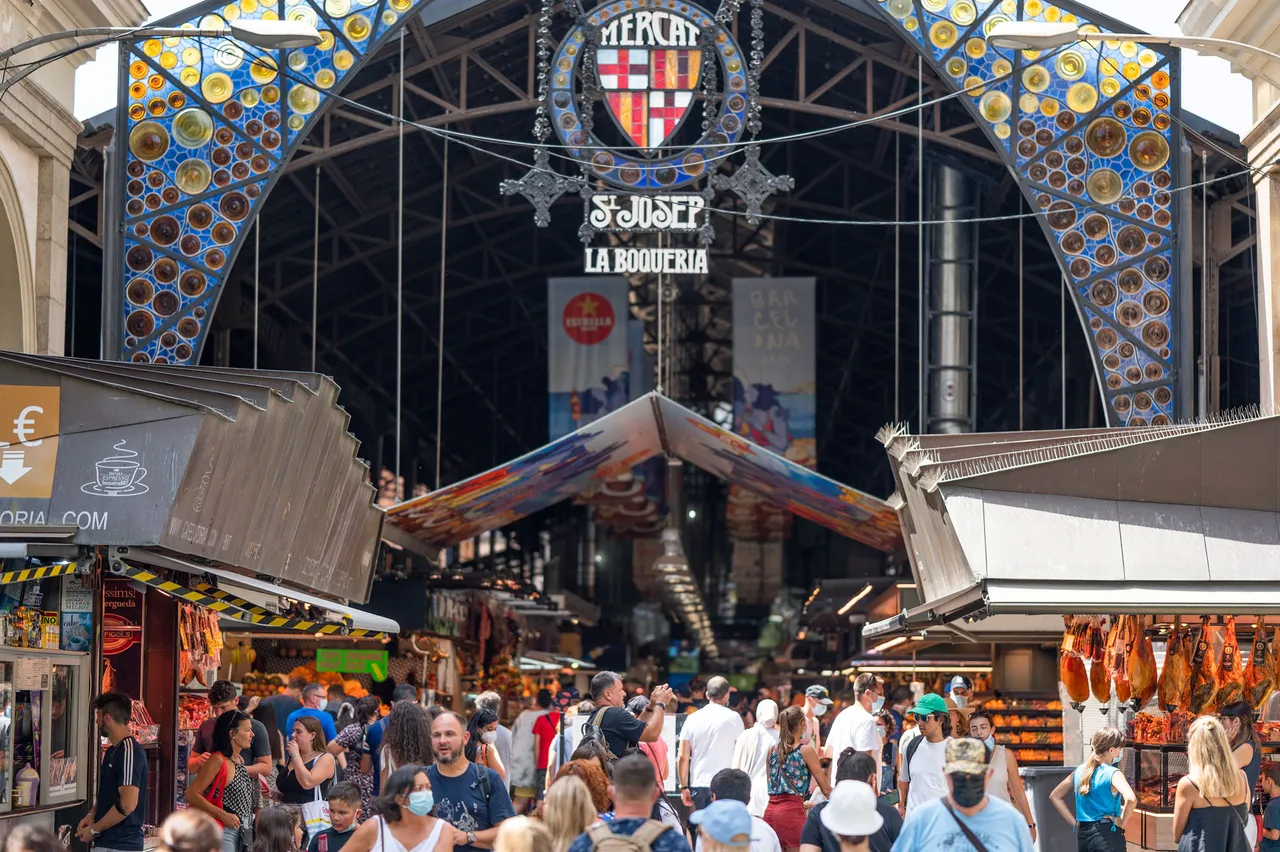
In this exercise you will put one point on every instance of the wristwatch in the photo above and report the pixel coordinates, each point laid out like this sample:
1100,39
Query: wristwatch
471,838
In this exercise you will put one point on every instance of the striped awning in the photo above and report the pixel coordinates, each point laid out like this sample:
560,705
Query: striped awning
40,572
229,605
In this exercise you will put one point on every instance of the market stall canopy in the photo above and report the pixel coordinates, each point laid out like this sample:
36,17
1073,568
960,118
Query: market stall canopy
248,602
610,447
1150,520
252,469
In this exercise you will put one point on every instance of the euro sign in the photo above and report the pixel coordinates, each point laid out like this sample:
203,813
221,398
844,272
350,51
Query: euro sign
22,426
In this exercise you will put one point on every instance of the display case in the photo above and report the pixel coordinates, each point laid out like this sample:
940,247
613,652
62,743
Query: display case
44,723
1154,769
1031,729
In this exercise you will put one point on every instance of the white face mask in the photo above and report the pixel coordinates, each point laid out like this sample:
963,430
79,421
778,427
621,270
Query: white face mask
960,700
489,737
820,710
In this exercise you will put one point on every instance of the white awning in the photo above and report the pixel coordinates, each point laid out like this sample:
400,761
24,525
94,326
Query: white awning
1158,521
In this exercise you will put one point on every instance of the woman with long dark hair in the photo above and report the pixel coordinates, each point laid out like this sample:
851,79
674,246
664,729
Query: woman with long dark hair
402,820
480,748
792,765
407,739
1246,751
351,742
222,788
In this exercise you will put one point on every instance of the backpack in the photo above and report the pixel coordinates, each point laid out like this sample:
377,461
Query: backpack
593,735
604,840
910,752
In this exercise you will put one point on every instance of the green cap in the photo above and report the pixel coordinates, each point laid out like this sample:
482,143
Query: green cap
929,703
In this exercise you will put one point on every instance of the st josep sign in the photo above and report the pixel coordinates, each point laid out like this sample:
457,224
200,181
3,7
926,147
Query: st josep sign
648,65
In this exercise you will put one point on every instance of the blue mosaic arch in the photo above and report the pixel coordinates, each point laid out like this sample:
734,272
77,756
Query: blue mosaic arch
1087,131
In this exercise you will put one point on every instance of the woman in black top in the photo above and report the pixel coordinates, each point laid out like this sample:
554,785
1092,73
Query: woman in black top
1246,751
310,773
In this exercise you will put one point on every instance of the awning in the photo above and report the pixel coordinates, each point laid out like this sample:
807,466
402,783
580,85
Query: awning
1176,519
650,426
252,469
38,572
252,602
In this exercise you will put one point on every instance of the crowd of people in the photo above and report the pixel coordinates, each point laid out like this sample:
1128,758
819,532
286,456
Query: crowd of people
911,776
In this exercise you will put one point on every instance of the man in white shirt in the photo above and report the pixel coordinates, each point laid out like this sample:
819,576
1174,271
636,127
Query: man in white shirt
855,727
924,758
735,785
706,744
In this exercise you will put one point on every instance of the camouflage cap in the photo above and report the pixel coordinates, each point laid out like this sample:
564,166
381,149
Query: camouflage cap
966,756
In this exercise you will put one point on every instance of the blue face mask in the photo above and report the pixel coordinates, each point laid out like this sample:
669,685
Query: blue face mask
990,741
421,802
877,705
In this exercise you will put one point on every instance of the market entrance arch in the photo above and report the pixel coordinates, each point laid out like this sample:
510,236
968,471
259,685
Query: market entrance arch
1091,136
15,276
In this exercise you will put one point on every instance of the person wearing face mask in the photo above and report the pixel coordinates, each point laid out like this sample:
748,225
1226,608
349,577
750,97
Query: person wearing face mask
1103,798
403,820
855,727
1006,781
482,746
817,701
751,754
793,765
966,817
961,690
344,807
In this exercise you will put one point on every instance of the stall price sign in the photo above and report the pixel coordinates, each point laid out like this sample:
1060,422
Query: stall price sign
354,661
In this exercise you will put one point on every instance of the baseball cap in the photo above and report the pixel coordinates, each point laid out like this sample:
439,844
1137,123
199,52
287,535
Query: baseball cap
959,682
852,810
820,693
965,756
725,821
930,702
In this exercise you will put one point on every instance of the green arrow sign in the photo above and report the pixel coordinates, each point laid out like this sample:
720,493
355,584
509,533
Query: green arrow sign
352,660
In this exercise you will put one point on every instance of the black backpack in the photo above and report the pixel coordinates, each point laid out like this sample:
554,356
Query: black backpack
593,737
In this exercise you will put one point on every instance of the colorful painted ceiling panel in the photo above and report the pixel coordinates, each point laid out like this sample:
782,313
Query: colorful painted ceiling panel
649,427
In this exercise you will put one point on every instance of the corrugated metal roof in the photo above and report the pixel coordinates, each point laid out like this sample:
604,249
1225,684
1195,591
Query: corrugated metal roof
251,469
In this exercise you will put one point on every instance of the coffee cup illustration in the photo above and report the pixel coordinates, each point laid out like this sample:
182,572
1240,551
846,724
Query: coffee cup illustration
118,475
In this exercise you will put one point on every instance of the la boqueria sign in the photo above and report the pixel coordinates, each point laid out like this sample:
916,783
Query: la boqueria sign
252,469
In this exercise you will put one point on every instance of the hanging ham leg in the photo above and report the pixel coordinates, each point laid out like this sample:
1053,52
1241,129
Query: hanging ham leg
1074,678
1176,672
1099,683
1142,665
1230,675
1203,675
1257,674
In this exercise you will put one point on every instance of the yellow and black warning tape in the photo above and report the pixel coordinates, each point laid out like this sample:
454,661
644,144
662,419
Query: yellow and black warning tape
39,573
226,603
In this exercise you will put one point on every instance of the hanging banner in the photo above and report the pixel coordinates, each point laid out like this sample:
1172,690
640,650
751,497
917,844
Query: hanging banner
774,402
587,351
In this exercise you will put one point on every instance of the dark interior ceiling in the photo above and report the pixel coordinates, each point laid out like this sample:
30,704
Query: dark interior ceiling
826,65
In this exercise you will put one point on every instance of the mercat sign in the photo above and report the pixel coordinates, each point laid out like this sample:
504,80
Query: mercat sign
353,661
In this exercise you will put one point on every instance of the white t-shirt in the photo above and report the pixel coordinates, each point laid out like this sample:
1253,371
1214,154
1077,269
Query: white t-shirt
925,775
763,837
855,728
711,733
